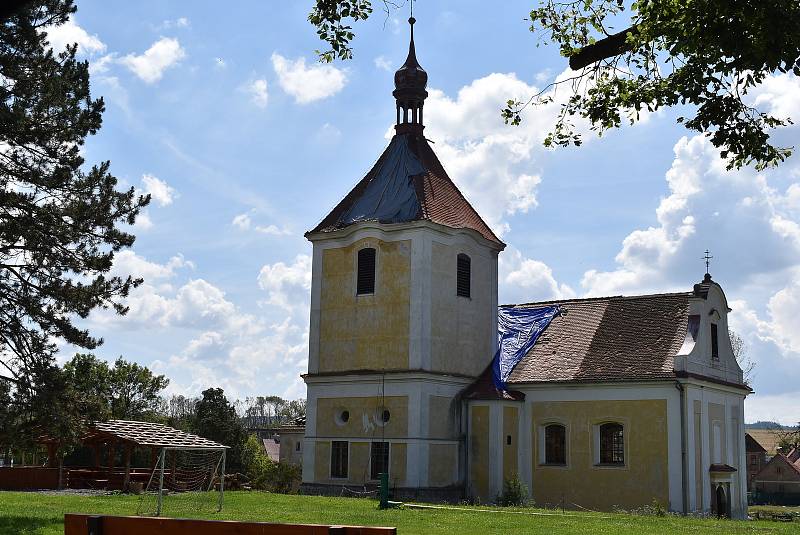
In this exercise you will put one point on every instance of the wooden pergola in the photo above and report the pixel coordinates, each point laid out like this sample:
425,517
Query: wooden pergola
104,439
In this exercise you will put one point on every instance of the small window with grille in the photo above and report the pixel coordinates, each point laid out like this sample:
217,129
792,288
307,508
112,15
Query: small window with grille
612,444
366,271
714,342
379,459
555,444
463,275
339,454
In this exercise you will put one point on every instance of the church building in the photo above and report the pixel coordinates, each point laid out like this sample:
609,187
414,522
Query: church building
415,370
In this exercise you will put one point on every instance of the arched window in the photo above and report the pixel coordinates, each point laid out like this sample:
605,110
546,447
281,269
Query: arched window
366,271
612,444
463,275
555,444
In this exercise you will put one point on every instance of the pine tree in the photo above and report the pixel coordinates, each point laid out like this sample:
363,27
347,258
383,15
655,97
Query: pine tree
60,219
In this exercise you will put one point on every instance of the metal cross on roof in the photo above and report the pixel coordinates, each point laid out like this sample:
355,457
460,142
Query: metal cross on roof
707,257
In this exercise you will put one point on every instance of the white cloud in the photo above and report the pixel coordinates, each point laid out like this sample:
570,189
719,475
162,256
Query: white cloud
150,66
219,343
143,221
242,221
383,63
127,262
180,22
328,134
245,222
778,94
258,92
70,33
161,192
494,164
524,279
285,284
307,84
731,212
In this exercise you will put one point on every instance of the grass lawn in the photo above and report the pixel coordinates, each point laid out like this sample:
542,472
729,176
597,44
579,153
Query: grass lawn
42,514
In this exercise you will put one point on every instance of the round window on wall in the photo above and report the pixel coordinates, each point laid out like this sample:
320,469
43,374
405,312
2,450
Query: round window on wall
342,417
385,416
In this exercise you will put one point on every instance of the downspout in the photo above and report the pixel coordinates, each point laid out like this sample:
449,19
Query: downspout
465,420
684,464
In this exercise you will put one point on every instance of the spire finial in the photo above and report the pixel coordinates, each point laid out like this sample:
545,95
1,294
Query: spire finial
409,82
707,257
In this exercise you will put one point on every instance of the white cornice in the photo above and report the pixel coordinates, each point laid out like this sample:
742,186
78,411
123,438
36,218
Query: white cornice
355,231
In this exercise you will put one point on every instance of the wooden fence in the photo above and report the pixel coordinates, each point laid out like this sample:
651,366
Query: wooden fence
28,478
133,525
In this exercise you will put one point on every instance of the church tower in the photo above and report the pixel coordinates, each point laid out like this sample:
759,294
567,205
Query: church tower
403,318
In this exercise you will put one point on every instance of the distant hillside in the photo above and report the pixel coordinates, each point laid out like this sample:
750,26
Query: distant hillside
766,425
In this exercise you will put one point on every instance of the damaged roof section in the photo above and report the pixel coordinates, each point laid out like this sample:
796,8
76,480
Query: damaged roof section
407,183
608,339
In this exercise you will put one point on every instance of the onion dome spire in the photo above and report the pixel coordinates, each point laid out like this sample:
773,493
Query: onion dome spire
410,81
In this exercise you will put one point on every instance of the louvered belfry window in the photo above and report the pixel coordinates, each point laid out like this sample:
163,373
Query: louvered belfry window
463,276
366,271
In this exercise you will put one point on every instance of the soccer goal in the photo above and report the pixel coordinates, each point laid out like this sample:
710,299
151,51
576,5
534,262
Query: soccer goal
186,479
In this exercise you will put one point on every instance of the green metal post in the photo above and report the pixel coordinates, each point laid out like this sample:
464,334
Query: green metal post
384,491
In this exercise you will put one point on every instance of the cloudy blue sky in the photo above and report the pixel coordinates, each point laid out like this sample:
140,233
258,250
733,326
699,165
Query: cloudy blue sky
245,142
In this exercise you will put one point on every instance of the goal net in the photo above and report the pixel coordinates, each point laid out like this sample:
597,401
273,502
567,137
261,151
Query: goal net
185,481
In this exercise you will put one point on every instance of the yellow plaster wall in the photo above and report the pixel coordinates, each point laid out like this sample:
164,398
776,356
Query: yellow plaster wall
365,412
479,451
461,337
441,417
365,332
442,462
288,447
510,428
397,464
322,461
644,476
359,462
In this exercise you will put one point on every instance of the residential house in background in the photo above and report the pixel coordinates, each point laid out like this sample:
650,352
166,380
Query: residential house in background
779,481
756,458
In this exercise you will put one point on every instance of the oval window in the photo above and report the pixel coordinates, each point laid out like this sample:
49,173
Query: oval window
386,415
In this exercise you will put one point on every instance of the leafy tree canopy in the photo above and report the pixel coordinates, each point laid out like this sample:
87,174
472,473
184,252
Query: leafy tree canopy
706,54
216,419
126,391
60,219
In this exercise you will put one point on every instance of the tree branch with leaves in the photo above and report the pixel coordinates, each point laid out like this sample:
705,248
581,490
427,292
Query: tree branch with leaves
706,55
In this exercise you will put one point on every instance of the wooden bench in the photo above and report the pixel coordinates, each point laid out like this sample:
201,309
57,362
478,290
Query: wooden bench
75,524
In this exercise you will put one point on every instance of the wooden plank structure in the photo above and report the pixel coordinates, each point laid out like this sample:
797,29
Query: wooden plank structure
106,439
75,524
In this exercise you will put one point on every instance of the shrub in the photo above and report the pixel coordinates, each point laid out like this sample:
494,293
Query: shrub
515,492
266,474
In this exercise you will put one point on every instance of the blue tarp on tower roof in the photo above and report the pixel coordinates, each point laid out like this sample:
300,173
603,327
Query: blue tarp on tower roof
390,196
518,328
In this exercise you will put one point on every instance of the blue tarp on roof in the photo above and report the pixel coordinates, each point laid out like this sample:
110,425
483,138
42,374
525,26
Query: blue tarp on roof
518,328
390,196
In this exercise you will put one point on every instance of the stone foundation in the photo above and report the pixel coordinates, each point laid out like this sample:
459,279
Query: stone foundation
453,494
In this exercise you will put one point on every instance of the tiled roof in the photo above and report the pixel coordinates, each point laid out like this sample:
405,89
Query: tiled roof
484,388
149,434
608,339
438,199
272,449
752,445
768,439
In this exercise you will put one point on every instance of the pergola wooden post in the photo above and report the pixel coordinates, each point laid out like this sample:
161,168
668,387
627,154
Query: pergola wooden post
127,481
111,458
51,455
